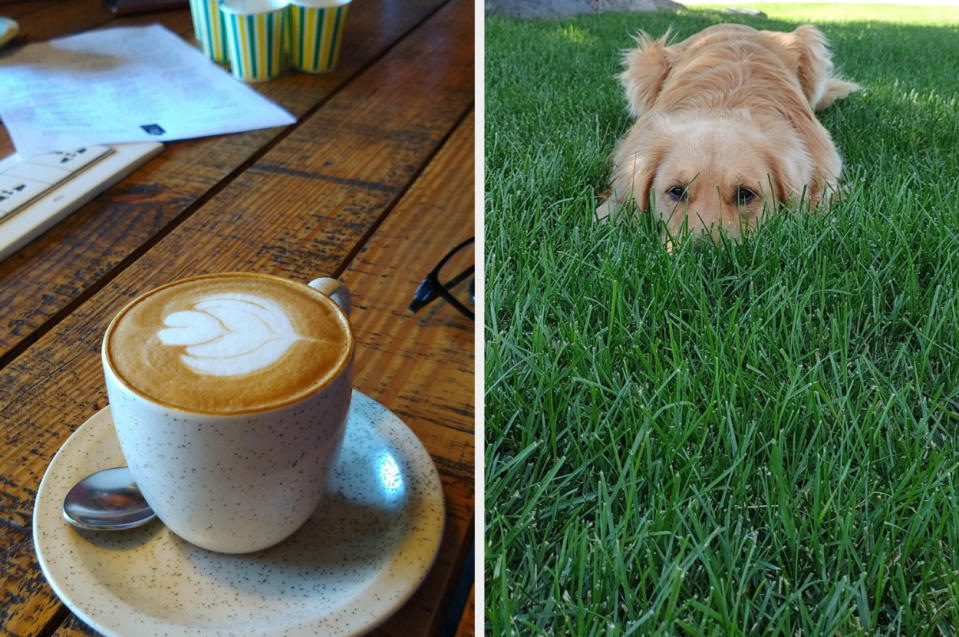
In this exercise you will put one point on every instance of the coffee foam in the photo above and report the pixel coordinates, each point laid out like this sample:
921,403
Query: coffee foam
228,343
230,334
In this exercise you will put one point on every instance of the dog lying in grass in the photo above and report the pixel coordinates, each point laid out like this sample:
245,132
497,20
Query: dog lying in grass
725,129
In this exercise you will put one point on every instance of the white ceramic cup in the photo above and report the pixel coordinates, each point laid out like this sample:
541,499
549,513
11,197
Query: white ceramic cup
234,483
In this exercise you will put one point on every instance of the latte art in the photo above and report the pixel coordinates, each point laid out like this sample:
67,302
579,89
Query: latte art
230,334
229,343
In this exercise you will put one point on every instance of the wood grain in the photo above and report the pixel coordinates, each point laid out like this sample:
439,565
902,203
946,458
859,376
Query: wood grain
49,277
318,198
420,366
467,627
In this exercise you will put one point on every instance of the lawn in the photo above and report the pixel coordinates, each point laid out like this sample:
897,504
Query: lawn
749,439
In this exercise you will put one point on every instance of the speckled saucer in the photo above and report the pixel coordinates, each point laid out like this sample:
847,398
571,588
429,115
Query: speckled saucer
361,555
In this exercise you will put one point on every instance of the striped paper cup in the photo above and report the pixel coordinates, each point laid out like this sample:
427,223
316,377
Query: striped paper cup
254,37
316,31
209,29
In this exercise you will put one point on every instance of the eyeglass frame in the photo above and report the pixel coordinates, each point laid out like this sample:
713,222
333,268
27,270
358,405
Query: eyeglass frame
431,288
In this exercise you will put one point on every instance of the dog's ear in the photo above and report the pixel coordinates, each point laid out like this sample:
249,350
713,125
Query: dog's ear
835,89
809,171
635,162
789,174
825,162
646,67
807,52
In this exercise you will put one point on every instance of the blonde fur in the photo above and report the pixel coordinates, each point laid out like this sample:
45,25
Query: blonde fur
726,118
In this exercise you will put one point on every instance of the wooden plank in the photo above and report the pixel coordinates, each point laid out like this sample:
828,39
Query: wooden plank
467,627
73,627
434,215
421,366
16,9
64,266
41,21
372,140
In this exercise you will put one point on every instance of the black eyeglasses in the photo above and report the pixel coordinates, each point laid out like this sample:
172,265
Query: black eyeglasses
438,283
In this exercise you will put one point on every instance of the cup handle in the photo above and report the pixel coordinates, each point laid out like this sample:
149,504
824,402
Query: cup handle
335,290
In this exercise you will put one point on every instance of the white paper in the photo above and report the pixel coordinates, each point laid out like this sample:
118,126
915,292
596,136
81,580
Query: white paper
125,84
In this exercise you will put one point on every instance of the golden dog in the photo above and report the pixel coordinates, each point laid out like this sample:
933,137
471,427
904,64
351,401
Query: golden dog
725,128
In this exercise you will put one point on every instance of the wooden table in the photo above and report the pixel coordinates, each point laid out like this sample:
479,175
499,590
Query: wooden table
373,185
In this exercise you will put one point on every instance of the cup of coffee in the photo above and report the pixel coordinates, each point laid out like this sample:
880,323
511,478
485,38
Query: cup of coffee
229,394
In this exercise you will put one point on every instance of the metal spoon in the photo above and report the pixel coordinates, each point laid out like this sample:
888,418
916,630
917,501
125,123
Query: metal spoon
108,500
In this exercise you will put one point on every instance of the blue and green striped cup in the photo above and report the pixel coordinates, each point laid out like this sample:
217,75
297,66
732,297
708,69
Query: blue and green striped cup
254,37
316,31
209,28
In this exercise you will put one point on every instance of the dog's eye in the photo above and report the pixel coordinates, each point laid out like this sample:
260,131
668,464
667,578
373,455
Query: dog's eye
677,193
744,196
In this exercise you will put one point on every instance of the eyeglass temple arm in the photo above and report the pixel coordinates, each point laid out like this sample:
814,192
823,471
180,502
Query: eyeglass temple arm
425,293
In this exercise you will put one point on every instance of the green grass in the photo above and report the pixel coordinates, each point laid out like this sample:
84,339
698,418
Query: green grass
755,438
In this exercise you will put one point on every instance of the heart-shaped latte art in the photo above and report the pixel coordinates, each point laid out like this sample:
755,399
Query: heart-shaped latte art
230,334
